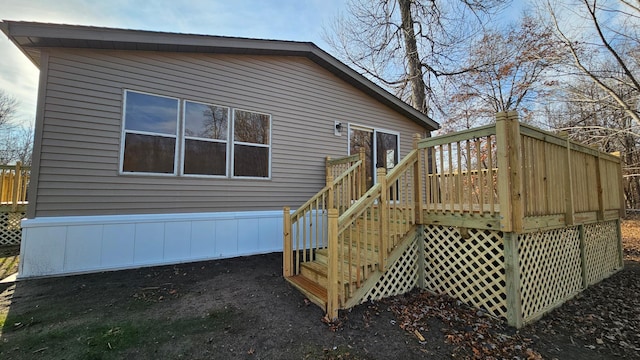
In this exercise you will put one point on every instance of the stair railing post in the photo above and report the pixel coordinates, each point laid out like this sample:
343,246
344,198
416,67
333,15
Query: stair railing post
287,256
417,181
383,217
330,193
332,271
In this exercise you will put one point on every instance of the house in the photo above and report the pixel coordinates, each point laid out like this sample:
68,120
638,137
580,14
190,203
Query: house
157,148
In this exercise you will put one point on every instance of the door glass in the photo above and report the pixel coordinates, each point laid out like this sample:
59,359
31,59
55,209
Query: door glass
386,150
363,139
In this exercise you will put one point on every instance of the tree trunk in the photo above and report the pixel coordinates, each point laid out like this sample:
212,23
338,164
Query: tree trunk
418,87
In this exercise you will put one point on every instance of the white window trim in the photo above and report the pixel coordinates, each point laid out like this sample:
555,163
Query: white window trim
185,137
124,132
233,142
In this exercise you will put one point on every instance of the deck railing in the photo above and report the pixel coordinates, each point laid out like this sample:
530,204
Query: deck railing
305,230
14,180
463,174
533,178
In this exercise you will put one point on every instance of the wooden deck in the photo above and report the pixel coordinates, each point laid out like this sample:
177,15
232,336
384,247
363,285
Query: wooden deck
500,186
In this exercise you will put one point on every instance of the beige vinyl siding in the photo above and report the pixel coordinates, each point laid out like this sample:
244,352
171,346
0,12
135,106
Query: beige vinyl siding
83,122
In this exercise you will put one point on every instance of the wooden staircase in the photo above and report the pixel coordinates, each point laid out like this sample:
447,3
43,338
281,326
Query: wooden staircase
341,242
312,279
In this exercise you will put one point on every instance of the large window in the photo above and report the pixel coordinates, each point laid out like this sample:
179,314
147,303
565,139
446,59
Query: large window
150,133
251,144
206,129
205,141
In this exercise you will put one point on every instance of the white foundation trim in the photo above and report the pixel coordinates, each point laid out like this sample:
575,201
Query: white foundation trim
79,244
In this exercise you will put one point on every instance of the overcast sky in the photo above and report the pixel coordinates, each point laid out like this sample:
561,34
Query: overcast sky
300,20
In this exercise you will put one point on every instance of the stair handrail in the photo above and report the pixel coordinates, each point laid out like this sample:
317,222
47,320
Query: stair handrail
392,200
336,194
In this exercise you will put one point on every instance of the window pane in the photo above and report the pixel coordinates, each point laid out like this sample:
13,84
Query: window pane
251,127
151,113
146,153
250,161
205,157
206,121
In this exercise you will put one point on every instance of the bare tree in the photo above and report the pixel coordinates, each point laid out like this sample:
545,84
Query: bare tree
609,34
406,44
16,142
600,95
514,74
8,108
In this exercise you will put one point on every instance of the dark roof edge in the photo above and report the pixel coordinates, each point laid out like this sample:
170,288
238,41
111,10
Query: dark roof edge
91,37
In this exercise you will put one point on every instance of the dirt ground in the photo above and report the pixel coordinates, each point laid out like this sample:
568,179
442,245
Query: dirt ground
243,308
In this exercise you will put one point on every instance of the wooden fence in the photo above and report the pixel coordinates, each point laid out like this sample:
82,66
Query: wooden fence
14,182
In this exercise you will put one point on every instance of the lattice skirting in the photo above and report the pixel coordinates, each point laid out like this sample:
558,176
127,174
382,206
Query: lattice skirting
401,277
550,269
601,252
467,266
10,230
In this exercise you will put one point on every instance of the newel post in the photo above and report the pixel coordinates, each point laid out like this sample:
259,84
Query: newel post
287,257
332,271
417,180
510,193
330,193
383,217
327,169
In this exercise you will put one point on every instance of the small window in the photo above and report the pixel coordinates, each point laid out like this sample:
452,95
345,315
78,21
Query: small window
251,144
150,130
206,129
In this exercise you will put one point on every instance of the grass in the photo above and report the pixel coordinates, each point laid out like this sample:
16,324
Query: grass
9,257
49,334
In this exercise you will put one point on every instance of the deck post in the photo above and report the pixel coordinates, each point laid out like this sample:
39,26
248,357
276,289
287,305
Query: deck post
510,191
287,256
417,181
421,257
569,216
583,262
622,213
600,190
332,271
383,217
512,278
330,193
327,170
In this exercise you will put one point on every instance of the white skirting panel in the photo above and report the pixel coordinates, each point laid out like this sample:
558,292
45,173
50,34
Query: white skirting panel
80,244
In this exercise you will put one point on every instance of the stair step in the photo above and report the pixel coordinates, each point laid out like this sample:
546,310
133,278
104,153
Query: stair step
315,271
318,272
315,292
322,256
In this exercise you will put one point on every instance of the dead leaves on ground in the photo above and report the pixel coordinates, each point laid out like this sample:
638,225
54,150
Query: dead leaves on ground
471,332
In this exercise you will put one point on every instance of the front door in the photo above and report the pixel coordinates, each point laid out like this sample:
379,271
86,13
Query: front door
380,147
